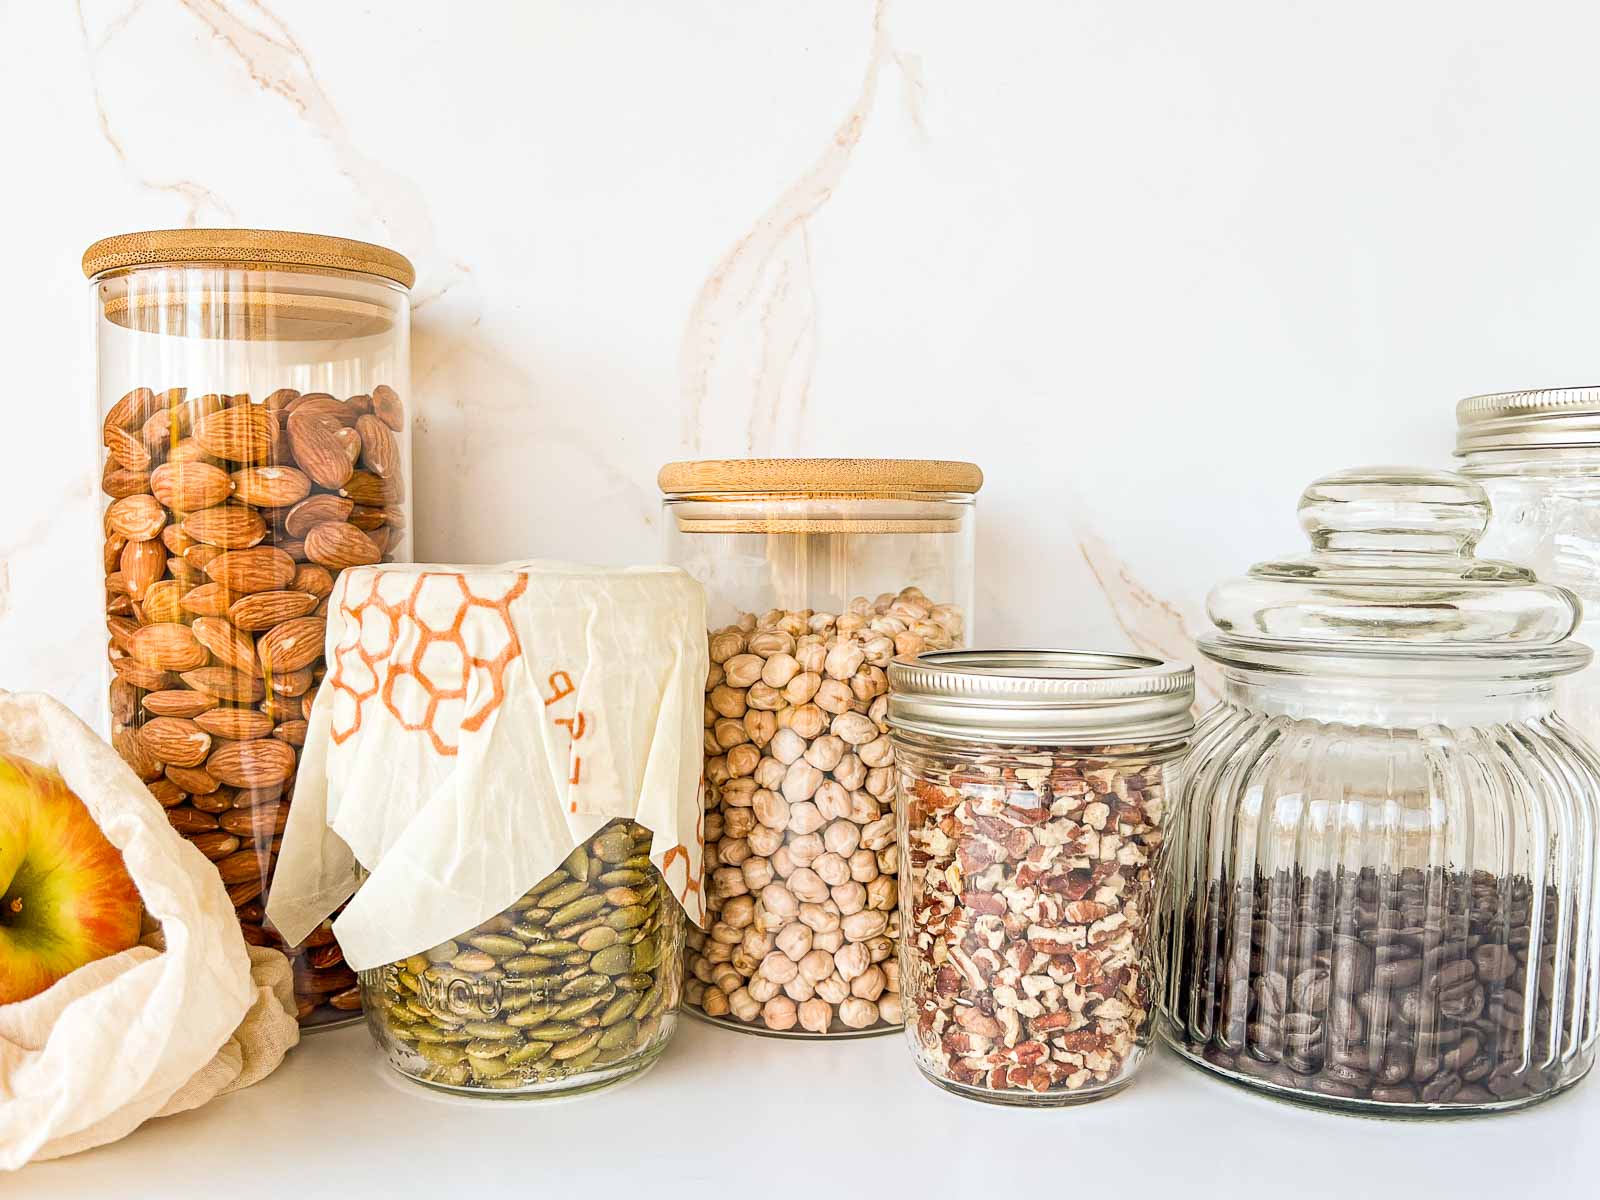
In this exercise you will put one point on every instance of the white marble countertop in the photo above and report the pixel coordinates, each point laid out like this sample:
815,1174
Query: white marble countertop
727,1114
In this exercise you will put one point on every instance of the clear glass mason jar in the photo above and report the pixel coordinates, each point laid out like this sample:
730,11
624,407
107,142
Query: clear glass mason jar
1383,872
574,986
818,573
253,390
1537,454
1033,806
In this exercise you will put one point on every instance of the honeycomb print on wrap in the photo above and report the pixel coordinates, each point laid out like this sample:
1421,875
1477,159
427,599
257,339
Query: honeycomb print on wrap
427,690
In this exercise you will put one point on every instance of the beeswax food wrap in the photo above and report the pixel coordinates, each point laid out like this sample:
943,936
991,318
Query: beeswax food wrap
188,1014
478,723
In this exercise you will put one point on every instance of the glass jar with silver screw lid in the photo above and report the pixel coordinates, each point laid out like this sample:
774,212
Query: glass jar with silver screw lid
1033,795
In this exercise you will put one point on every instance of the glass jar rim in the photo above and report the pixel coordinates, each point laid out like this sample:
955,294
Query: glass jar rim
1399,661
1041,697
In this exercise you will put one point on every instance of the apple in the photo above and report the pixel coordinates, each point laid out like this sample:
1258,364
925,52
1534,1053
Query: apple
66,898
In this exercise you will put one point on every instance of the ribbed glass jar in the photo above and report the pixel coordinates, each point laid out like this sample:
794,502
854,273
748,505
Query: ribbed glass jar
1383,873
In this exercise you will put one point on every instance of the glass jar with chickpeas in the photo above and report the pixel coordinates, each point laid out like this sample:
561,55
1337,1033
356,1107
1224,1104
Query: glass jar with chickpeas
818,573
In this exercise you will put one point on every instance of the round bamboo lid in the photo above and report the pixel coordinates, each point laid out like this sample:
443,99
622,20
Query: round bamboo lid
260,248
863,477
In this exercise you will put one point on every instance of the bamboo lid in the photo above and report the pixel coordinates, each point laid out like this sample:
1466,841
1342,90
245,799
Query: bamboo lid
863,477
261,248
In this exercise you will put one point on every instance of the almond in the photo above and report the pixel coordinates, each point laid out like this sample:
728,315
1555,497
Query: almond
198,557
145,765
317,448
142,564
309,577
192,779
218,801
231,526
186,575
379,453
366,488
292,645
337,545
280,400
235,724
293,732
118,482
167,793
131,670
175,740
132,410
351,441
259,763
178,702
246,868
257,569
243,893
208,600
167,646
190,451
270,487
321,404
263,610
366,518
126,450
122,631
243,434
359,405
314,511
387,408
111,552
190,821
161,602
190,486
291,683
176,540
262,821
214,845
225,684
137,518
232,648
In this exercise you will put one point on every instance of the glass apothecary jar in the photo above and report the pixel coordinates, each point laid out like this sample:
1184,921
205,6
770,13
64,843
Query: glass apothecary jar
254,440
819,572
1033,801
1537,454
1383,869
572,987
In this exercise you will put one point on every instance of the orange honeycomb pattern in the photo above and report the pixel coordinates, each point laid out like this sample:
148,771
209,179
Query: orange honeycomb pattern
426,691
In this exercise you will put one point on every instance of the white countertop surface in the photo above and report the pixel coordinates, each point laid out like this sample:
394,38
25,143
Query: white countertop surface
724,1114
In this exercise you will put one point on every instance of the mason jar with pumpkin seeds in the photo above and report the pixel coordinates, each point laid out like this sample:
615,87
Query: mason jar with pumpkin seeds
573,986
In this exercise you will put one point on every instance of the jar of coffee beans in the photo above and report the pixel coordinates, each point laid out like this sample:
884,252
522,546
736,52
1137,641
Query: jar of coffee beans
819,573
254,441
1383,890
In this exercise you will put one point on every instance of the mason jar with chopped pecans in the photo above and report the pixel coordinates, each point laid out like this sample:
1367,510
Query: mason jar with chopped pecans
1033,789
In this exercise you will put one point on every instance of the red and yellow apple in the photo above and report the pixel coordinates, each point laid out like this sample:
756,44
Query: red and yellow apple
66,898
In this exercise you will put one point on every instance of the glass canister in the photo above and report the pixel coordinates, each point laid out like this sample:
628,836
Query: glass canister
1537,454
819,572
574,986
1033,802
1383,870
253,396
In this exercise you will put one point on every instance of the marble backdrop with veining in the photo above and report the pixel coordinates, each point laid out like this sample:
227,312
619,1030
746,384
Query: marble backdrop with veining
1153,266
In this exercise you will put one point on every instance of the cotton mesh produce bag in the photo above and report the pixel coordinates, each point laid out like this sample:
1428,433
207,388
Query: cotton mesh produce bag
166,1026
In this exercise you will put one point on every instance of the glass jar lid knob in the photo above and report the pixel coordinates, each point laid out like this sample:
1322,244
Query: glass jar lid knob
1394,509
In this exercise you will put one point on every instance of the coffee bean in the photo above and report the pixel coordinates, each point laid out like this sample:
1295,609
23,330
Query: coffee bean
1399,987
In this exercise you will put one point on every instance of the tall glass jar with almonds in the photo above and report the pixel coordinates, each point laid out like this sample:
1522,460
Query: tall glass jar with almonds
253,391
819,573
